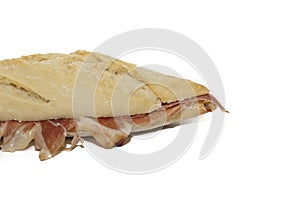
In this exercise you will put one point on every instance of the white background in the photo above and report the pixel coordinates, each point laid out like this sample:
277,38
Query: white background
255,46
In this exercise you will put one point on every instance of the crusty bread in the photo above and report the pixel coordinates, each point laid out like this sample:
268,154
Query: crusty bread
51,86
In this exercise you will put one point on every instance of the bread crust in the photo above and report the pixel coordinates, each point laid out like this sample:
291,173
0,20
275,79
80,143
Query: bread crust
53,86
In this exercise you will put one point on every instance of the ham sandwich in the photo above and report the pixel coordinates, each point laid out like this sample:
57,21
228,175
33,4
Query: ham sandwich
45,98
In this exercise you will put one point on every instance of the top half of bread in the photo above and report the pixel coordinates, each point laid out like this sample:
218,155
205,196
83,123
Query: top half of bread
51,86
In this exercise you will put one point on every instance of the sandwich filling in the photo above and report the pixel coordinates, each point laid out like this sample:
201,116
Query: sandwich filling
49,136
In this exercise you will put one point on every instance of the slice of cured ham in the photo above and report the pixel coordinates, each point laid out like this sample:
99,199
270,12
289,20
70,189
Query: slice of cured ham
49,135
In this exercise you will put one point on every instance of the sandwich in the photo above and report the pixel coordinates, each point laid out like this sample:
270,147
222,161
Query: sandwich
46,98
